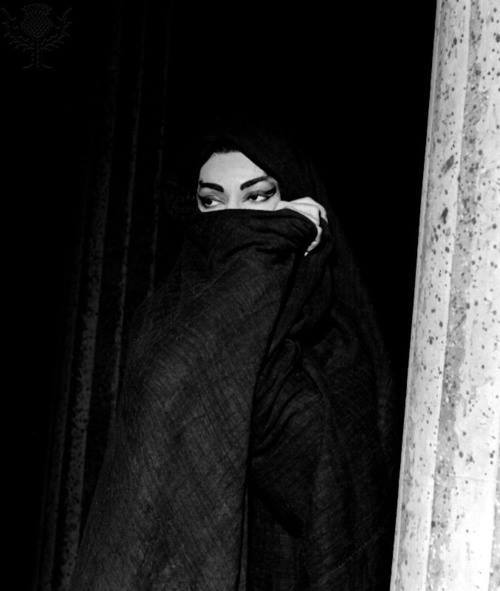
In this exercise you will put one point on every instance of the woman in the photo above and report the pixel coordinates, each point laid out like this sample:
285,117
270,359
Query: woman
253,447
230,180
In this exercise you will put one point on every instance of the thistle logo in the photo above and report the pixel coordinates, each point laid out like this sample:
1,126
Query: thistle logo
36,33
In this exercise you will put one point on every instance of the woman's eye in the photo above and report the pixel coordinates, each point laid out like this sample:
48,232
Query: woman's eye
263,196
258,197
207,202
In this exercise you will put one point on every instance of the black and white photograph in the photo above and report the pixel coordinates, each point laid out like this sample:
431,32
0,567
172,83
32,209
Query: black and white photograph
252,324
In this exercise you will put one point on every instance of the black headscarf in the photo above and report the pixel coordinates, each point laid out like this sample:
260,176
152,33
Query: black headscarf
277,151
252,443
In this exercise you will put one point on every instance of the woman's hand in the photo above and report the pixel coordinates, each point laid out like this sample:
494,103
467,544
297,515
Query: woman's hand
312,210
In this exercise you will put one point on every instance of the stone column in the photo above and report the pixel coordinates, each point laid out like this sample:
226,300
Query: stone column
448,525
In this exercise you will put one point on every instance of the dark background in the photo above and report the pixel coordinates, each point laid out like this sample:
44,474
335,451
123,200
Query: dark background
352,78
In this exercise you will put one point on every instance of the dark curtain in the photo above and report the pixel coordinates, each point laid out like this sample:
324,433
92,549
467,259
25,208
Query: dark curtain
116,238
114,267
109,125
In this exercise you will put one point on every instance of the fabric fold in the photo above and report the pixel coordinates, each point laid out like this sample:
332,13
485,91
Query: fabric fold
168,512
254,445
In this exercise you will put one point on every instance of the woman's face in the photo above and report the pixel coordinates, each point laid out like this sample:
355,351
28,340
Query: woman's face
232,181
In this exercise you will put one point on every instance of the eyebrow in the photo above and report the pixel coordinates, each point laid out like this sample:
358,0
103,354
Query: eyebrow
246,184
213,186
254,181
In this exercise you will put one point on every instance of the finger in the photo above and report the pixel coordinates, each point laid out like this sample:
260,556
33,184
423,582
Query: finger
313,215
309,209
310,201
316,241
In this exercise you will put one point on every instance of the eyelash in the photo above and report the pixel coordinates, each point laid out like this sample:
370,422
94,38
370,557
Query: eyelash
266,194
204,201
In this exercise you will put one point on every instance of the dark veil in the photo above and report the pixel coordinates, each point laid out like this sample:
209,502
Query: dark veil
253,446
279,152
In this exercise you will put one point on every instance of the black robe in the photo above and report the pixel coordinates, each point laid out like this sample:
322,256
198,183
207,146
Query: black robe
249,448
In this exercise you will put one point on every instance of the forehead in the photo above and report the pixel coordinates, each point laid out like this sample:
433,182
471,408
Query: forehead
229,166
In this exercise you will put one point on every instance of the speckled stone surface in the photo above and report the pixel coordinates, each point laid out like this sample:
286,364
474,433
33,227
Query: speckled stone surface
448,530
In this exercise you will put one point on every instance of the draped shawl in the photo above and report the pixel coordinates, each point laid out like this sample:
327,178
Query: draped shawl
252,446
